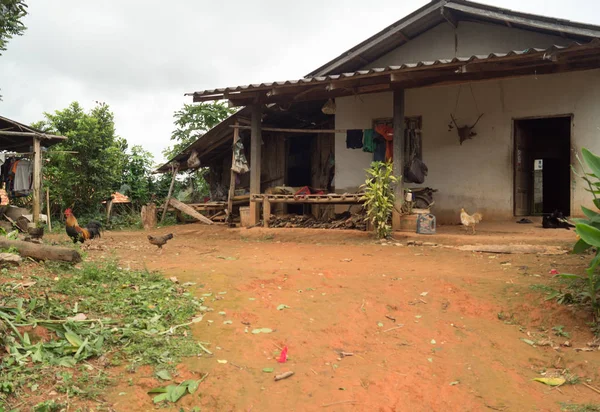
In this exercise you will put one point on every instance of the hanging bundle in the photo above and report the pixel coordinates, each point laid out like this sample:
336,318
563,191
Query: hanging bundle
193,161
240,164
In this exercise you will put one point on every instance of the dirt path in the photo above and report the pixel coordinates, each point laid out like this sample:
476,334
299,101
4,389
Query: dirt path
422,324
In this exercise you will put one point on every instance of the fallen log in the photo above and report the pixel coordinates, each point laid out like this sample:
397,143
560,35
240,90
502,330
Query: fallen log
41,252
188,210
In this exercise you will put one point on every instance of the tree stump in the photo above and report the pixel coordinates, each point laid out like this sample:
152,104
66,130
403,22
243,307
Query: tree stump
149,216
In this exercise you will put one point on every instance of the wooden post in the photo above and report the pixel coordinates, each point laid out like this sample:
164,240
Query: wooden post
398,152
266,211
236,137
175,169
37,179
109,205
255,161
48,209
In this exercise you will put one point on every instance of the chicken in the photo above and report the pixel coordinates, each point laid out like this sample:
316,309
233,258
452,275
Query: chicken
470,220
78,233
160,240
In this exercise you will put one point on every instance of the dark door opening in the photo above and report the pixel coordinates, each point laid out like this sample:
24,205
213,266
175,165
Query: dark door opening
299,165
542,165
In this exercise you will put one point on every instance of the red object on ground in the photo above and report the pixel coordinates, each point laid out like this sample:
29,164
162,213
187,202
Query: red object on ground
283,357
554,272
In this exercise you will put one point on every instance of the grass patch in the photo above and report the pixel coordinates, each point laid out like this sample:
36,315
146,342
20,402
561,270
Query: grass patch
72,324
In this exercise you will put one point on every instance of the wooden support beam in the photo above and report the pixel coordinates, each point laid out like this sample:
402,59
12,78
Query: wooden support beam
37,179
175,169
266,211
236,137
48,211
284,130
403,36
255,160
188,210
30,134
398,151
449,17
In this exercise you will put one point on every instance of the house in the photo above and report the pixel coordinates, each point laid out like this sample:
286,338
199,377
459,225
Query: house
531,84
17,139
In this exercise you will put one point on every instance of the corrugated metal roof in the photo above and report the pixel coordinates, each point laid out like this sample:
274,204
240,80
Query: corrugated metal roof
404,67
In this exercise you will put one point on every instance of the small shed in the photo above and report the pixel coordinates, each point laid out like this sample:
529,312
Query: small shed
19,139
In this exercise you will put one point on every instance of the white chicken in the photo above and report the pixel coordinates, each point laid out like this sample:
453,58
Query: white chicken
468,220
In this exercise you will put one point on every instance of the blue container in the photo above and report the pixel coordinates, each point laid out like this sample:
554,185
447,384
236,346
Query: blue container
426,224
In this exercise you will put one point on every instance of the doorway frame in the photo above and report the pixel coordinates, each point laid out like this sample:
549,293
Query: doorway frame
514,121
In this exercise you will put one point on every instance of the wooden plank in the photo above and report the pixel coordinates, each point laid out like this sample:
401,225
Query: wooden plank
109,205
266,211
31,134
255,160
398,146
189,211
236,137
37,179
48,209
166,206
284,130
41,252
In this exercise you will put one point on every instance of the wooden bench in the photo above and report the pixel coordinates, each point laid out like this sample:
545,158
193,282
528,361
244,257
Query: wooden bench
325,199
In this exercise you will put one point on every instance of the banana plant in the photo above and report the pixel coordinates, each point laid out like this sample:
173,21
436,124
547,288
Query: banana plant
588,231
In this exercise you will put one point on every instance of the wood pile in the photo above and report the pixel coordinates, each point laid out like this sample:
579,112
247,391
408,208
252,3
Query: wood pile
356,221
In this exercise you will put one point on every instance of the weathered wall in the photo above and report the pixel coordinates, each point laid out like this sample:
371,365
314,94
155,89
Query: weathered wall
445,42
479,174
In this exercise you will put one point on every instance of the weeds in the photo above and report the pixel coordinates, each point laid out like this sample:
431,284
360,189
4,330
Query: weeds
69,315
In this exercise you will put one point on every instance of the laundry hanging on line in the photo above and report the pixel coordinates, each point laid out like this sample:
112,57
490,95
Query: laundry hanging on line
354,139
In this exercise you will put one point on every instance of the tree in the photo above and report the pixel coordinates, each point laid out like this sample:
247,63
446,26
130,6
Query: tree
192,121
137,180
84,179
11,14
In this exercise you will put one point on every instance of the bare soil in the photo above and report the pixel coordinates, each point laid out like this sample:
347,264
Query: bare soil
421,322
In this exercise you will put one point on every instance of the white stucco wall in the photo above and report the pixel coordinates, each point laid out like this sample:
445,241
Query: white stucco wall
445,42
479,174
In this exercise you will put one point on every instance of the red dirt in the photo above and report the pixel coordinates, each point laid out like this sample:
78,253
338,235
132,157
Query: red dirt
450,334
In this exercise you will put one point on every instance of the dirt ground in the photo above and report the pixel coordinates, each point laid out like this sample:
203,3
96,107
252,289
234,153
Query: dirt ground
422,322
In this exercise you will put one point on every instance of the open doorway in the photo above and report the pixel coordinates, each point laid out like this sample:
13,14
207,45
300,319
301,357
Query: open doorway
542,166
298,173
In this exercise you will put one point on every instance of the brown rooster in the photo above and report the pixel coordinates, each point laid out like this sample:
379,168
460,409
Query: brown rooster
81,234
160,240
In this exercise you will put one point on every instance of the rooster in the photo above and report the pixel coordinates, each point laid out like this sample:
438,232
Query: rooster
160,240
470,220
81,234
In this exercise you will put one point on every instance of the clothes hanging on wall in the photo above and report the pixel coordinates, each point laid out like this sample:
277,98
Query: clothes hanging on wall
387,132
380,146
368,141
354,139
240,164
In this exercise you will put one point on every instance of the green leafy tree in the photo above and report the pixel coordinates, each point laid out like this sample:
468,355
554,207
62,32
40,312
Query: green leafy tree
137,176
192,121
84,179
11,14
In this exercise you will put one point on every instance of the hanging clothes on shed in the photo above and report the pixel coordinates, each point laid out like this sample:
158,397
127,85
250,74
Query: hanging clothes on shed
354,139
240,164
368,141
387,132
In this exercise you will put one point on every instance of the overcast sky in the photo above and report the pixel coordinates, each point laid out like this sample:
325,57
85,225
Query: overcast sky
141,56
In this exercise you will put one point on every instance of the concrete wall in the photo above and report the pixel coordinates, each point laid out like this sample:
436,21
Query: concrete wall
445,42
479,174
